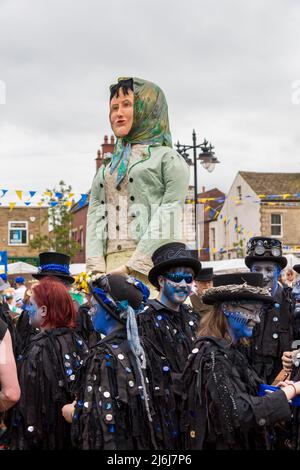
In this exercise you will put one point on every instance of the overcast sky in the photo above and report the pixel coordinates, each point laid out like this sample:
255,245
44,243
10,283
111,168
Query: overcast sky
230,69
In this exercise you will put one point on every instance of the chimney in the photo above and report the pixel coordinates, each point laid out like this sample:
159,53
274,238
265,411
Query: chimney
203,189
99,160
106,146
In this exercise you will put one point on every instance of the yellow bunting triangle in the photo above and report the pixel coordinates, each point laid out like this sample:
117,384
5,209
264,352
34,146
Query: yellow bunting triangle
12,205
19,194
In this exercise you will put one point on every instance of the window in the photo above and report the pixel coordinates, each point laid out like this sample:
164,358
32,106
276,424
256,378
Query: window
213,237
239,192
81,240
74,234
236,228
276,225
17,233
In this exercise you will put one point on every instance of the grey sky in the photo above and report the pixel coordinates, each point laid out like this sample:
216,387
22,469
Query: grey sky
227,69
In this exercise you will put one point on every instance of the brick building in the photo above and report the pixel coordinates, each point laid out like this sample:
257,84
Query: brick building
266,204
210,212
80,212
18,227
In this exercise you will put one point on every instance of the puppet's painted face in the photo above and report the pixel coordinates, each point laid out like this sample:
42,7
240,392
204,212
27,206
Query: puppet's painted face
270,271
176,285
121,113
242,317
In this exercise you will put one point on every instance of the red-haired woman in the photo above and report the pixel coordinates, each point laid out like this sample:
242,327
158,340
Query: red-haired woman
47,370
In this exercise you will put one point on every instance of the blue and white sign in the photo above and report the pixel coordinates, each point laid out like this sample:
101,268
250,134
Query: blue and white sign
3,262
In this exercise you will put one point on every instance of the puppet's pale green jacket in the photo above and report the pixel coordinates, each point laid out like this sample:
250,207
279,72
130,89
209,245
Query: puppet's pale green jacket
157,185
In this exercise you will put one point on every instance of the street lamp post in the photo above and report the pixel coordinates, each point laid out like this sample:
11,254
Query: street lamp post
208,161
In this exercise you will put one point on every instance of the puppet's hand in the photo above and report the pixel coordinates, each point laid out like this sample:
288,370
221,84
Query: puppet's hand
120,270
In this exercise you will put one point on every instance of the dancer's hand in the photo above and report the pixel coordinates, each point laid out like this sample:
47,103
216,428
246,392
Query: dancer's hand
287,360
68,411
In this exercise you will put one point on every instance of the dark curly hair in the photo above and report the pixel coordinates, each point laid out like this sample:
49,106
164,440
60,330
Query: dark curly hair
124,84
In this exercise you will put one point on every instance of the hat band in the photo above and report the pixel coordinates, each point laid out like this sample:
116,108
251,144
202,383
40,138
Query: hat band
63,268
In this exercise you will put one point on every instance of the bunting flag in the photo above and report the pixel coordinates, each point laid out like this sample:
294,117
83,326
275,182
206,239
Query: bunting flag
83,200
12,205
19,193
46,198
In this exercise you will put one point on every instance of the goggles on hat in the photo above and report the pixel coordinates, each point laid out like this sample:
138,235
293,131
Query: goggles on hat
261,247
177,278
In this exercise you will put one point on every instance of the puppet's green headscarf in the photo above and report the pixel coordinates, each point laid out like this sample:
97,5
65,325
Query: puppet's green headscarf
150,124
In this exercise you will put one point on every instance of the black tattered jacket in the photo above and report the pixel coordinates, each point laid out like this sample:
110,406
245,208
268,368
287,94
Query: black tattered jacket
47,371
170,331
110,412
272,336
221,408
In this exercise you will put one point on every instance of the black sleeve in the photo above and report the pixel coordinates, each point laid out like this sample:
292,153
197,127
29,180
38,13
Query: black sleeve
3,329
243,408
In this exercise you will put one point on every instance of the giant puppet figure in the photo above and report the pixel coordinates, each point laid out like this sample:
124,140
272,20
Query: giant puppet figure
137,191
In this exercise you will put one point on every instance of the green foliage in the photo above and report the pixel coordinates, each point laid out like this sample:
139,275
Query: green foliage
240,248
59,219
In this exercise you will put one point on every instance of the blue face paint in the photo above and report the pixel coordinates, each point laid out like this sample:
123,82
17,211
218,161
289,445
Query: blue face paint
241,319
32,311
173,293
270,271
102,322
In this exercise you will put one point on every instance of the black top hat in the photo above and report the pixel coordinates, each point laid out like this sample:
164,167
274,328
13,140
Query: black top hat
54,264
237,286
265,249
205,274
297,268
172,255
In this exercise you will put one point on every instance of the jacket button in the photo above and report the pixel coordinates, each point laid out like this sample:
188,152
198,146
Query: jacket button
262,422
103,217
102,202
132,198
275,319
132,215
277,305
130,180
101,185
275,335
118,188
118,227
119,247
118,208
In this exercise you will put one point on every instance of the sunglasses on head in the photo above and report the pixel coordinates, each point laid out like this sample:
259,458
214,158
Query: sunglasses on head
188,278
